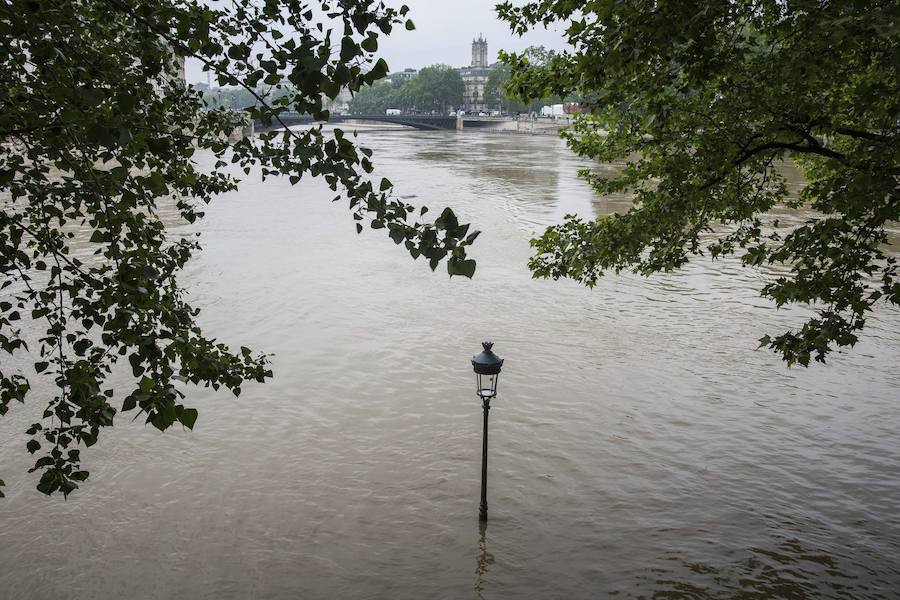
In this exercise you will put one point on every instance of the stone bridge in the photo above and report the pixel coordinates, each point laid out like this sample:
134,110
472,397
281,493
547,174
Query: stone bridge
426,122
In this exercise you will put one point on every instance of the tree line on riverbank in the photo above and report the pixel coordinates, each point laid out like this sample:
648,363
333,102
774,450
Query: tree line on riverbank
441,88
437,88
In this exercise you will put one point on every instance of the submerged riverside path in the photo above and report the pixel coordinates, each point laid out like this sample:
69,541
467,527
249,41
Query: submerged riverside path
640,445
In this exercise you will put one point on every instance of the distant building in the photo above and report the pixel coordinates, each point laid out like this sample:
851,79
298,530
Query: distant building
402,76
475,77
341,104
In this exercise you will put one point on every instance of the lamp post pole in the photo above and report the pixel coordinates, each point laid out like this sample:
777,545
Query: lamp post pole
487,367
482,511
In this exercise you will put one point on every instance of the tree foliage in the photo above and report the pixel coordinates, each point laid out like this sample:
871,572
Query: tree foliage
97,135
435,88
236,98
375,100
498,94
494,88
702,99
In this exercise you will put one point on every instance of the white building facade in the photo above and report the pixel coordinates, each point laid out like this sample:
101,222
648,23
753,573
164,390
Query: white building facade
402,76
475,77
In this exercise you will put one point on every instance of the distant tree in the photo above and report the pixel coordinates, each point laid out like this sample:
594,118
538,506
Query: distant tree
400,97
238,98
501,94
98,135
375,99
230,97
538,56
494,91
702,99
435,88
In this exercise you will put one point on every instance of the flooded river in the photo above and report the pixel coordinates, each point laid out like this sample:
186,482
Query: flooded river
640,446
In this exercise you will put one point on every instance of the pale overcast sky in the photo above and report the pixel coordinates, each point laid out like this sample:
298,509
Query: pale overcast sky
444,33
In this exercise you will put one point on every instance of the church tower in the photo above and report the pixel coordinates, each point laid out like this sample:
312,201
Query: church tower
475,78
480,52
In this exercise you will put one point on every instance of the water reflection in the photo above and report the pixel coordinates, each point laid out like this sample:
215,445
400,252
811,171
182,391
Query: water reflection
484,561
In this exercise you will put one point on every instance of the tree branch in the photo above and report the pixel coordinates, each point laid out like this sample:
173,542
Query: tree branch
865,135
820,150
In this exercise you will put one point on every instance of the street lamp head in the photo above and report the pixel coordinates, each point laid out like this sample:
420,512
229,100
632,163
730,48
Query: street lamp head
487,367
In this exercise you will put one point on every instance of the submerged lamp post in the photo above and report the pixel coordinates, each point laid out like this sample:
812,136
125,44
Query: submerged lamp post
487,371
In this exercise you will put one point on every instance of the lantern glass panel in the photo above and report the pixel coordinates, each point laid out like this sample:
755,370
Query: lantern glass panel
486,386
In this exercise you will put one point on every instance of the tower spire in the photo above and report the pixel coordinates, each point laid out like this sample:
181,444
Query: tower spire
479,51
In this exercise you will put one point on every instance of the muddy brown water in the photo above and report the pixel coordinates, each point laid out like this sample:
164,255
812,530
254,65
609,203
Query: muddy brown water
640,446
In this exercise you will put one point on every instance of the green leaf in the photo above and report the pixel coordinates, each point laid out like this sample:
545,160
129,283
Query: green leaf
157,184
448,220
397,235
348,49
380,69
44,461
466,268
33,446
189,417
47,486
146,384
370,44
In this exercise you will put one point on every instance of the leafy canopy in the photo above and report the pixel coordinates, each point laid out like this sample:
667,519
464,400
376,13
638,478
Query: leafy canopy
434,88
495,88
375,100
702,99
437,87
97,139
